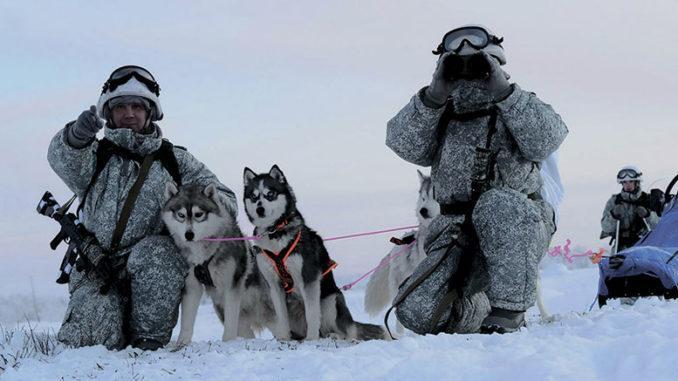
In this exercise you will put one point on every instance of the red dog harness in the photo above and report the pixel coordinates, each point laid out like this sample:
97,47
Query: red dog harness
279,264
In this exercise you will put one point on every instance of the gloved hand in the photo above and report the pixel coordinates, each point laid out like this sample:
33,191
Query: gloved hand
642,212
104,268
616,261
617,212
440,87
497,84
82,132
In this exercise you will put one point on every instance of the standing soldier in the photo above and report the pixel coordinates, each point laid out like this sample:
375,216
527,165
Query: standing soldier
629,209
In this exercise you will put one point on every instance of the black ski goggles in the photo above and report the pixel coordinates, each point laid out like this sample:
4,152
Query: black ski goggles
123,74
628,175
472,35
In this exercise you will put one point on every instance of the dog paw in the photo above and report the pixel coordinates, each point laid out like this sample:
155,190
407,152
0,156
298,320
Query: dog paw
228,337
312,337
183,341
177,347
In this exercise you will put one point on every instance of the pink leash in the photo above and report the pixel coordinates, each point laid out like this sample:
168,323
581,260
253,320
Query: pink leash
381,264
227,239
369,233
565,252
258,237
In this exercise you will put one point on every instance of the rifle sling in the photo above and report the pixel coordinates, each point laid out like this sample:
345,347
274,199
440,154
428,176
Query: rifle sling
415,284
129,202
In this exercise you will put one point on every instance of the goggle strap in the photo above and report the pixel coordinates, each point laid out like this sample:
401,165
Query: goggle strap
113,84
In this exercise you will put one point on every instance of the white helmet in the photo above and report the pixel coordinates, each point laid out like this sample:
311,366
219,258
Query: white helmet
131,80
629,173
469,39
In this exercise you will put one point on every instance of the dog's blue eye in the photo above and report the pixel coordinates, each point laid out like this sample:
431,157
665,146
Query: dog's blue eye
270,194
181,215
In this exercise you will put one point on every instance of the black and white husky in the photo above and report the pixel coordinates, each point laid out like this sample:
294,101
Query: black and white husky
383,284
226,270
293,260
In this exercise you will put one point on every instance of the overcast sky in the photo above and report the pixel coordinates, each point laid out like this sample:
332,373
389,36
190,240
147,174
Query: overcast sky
310,85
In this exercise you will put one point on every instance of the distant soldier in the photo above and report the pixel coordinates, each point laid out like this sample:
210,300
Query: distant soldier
629,208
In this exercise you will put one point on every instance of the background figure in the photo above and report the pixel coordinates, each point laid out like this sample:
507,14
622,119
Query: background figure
630,209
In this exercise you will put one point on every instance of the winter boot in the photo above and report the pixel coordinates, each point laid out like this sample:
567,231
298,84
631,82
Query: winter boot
503,321
147,344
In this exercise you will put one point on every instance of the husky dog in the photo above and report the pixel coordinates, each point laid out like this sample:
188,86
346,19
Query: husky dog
226,270
383,284
293,260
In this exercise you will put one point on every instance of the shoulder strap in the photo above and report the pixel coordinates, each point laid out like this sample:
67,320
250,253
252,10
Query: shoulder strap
129,202
104,152
618,200
169,161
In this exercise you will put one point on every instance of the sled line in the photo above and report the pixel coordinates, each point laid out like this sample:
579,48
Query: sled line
381,264
355,235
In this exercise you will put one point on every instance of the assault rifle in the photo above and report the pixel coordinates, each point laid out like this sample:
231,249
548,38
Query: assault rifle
81,243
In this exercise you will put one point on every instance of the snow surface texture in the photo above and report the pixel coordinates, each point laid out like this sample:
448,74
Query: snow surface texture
615,343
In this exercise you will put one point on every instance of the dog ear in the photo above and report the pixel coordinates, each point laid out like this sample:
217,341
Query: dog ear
211,192
277,174
421,177
170,190
248,175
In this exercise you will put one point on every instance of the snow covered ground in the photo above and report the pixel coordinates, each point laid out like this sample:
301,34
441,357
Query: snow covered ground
615,343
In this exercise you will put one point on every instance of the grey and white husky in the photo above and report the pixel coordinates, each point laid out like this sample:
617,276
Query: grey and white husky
295,263
383,284
226,270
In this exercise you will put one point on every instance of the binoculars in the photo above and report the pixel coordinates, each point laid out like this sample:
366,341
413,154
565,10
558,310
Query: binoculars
473,66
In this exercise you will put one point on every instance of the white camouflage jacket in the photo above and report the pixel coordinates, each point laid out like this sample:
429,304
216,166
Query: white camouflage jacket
105,200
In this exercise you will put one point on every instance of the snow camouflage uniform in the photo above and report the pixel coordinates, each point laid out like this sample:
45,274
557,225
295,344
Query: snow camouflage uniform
513,224
155,268
631,227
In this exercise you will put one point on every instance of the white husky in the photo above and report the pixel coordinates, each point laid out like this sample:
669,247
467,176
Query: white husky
401,261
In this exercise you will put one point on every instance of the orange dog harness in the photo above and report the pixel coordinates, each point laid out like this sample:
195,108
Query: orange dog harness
279,264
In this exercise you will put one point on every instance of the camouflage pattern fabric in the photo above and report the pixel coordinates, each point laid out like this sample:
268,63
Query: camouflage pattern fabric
155,267
446,242
631,226
513,230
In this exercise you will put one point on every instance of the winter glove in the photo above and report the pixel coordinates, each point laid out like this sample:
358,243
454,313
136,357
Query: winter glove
440,88
616,261
642,212
82,132
496,85
617,212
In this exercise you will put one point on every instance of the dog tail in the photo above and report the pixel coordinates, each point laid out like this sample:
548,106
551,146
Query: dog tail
354,329
365,331
378,293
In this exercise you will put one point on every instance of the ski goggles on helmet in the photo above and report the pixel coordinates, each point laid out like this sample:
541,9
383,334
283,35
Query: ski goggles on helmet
628,175
123,74
474,36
